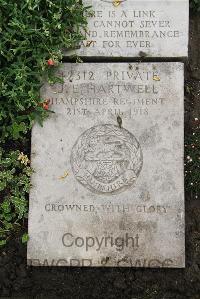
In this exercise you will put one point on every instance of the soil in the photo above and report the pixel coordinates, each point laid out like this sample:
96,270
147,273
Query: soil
19,281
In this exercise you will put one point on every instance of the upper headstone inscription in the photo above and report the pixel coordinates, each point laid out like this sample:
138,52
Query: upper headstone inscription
129,28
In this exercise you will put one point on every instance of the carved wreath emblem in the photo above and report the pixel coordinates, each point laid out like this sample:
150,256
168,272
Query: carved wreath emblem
106,159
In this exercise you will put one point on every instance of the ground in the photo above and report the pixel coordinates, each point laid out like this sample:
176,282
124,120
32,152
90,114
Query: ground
19,281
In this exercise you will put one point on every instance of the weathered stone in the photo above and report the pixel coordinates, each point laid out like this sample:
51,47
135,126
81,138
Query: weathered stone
108,183
151,28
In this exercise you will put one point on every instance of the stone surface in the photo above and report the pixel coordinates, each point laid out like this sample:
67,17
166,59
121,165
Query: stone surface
108,186
151,28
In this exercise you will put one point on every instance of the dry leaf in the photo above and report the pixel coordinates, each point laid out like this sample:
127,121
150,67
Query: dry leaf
156,78
116,2
64,176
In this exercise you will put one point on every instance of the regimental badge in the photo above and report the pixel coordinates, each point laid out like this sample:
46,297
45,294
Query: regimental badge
106,159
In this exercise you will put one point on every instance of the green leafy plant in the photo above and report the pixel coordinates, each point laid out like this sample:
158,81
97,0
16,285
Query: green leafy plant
25,238
15,175
33,34
195,5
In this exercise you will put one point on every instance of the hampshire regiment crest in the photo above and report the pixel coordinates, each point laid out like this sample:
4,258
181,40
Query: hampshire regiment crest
106,159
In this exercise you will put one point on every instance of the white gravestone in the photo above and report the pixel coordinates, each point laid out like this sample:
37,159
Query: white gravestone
108,186
129,28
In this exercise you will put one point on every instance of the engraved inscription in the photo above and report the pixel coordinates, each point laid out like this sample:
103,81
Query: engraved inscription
108,185
106,159
122,28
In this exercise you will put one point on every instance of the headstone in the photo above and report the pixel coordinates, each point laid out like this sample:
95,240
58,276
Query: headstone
108,186
129,28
